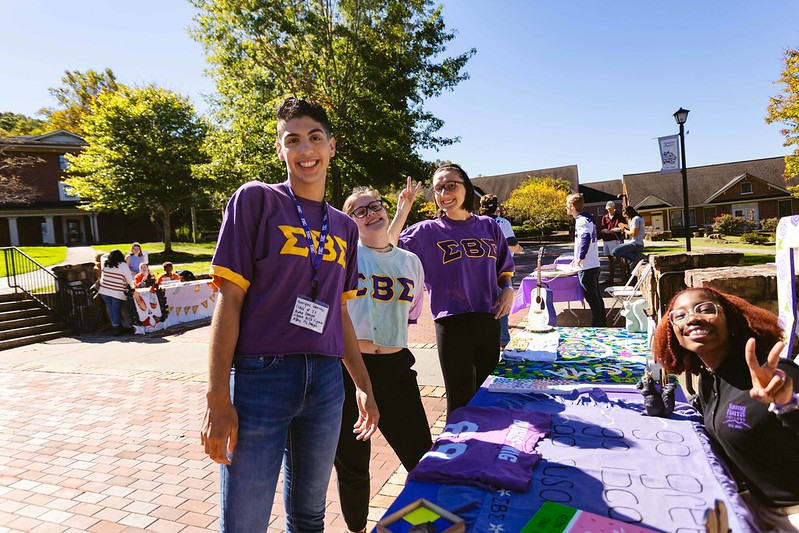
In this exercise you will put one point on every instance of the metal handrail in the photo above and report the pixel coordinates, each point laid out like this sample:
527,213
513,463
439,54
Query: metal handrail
26,274
67,302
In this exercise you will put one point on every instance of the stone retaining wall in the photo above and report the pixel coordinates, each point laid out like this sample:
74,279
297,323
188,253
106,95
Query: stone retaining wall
676,271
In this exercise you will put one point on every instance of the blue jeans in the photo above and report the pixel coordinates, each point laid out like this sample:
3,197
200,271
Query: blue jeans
114,307
289,410
629,250
504,331
589,281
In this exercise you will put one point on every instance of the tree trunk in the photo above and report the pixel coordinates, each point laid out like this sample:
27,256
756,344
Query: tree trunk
167,230
334,175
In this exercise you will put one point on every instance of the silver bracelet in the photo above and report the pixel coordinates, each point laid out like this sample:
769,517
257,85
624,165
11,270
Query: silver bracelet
781,409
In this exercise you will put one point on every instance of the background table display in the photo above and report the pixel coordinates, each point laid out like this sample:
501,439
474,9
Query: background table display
184,302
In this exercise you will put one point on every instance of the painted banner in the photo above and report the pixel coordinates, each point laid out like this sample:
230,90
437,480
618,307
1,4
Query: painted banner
185,302
669,153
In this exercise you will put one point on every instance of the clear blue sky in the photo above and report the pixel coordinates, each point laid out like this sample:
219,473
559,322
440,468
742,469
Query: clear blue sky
553,83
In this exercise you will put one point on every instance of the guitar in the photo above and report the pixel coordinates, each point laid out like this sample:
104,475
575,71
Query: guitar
542,315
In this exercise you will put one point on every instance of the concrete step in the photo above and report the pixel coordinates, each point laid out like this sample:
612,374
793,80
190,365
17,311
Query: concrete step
22,321
22,313
29,330
33,339
17,305
12,296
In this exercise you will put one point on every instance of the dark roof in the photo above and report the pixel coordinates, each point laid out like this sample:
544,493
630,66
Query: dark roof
600,191
54,139
703,182
502,185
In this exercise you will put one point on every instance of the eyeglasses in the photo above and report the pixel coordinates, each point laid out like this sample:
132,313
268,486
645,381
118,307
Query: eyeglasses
705,310
448,186
362,211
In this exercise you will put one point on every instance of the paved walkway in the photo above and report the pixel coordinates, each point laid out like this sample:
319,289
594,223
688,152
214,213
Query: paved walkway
101,433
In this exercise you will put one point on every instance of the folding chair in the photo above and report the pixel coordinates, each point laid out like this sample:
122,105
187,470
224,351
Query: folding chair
630,290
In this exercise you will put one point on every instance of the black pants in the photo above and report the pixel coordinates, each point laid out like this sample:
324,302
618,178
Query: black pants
402,421
589,281
468,350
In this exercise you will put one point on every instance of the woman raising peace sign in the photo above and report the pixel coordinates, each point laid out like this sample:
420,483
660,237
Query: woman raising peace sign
747,394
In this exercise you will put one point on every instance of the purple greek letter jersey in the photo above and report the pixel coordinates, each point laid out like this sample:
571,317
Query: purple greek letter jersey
262,248
485,447
462,260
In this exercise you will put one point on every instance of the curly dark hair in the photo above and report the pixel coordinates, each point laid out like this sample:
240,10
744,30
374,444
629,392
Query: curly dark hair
744,321
468,201
114,258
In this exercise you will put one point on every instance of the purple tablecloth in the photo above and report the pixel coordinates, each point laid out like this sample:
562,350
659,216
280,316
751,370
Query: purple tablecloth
564,289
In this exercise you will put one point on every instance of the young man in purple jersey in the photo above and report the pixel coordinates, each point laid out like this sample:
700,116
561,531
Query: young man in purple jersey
285,264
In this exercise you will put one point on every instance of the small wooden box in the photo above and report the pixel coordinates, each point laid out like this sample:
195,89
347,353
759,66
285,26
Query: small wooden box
422,505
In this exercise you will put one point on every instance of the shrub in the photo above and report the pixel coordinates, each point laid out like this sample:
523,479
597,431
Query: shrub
754,238
660,236
730,225
769,224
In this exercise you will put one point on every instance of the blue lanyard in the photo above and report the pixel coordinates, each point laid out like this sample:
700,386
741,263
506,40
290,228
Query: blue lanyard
316,255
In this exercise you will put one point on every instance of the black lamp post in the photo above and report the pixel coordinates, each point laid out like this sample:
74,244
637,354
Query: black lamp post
681,115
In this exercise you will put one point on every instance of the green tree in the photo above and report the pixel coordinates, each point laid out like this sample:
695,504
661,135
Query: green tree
75,98
785,108
540,203
143,144
13,124
371,63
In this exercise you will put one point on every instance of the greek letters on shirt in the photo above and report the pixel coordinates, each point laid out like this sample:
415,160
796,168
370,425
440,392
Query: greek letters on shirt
296,244
468,248
386,288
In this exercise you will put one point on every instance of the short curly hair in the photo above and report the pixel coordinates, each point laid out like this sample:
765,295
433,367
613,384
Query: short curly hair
744,321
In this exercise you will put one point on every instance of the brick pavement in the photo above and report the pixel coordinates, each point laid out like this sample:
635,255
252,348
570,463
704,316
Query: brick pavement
106,450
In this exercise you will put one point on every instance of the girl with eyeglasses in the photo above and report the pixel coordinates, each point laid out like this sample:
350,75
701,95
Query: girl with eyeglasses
468,269
746,394
389,296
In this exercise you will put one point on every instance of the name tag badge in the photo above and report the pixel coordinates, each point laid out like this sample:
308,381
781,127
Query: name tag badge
310,314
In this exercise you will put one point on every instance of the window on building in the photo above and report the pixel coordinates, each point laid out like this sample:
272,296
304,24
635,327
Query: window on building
676,217
67,193
784,208
62,162
746,187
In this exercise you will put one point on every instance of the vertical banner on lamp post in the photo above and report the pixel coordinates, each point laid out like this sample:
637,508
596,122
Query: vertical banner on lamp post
669,153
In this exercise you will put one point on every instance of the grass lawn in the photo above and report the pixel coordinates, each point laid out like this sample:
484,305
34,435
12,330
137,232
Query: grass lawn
733,243
44,255
185,255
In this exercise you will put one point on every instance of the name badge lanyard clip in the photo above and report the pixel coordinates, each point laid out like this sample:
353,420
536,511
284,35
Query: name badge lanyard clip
316,254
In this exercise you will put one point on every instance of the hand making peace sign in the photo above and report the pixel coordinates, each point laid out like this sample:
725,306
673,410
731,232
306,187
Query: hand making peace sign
769,383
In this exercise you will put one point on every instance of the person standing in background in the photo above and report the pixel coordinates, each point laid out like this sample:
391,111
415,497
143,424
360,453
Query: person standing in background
115,281
136,257
489,206
586,257
611,231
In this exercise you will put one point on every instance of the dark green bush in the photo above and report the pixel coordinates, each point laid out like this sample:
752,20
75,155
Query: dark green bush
754,238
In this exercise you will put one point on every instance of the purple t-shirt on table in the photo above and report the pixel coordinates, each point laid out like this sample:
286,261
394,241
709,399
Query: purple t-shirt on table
462,262
485,447
262,248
